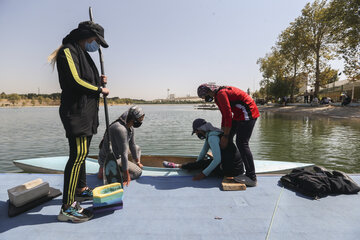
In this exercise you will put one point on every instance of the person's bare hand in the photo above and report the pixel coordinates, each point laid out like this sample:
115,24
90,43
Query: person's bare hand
223,142
103,79
105,91
199,177
127,178
140,165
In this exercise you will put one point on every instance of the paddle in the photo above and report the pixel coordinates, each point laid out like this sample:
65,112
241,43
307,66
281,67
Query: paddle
112,171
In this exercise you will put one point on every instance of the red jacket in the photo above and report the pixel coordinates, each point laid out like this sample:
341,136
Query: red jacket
233,100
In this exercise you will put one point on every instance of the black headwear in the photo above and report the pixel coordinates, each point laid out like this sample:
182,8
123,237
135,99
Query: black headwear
134,113
86,30
197,123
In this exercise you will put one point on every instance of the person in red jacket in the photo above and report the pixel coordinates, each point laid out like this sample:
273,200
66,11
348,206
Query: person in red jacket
239,113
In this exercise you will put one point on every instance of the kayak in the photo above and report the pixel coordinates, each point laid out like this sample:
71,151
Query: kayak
152,165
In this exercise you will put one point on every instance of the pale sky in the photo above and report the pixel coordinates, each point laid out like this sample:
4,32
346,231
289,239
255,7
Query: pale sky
155,45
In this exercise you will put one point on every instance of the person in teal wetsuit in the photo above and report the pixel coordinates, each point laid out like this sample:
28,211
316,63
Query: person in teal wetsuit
222,162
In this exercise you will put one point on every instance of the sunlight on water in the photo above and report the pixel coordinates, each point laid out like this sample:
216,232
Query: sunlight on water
38,132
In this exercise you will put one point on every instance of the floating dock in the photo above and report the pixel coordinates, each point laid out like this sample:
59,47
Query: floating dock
164,208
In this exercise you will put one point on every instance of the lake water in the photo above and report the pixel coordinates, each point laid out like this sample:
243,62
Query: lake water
37,132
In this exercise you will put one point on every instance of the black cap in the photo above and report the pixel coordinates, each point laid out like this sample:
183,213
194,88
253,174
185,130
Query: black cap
197,123
96,29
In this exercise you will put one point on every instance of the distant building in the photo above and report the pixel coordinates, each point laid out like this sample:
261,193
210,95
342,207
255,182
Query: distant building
187,99
333,90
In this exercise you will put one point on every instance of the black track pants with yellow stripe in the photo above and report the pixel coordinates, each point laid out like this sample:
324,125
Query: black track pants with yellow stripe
75,173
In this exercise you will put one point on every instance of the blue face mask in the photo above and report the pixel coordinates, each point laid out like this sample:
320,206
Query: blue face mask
92,47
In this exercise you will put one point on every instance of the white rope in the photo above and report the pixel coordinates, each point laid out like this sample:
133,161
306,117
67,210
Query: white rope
273,216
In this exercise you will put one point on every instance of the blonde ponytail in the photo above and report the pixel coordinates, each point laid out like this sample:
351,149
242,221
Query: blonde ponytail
53,56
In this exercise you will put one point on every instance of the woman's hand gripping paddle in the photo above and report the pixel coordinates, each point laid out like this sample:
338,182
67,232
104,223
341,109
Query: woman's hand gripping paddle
111,170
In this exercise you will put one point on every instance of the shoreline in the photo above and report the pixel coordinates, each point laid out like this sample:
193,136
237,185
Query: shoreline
330,111
21,104
101,105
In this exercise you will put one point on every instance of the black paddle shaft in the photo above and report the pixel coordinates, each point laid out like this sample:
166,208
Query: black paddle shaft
104,85
110,153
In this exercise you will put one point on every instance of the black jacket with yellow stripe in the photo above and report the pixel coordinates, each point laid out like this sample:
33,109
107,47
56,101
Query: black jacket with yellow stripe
80,83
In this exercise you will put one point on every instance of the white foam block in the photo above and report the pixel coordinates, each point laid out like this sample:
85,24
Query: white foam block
27,192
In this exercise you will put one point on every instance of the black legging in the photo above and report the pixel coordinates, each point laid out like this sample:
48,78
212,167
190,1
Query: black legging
231,163
75,173
243,131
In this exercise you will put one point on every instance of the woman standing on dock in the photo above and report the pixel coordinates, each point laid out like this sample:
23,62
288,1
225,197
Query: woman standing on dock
239,113
81,87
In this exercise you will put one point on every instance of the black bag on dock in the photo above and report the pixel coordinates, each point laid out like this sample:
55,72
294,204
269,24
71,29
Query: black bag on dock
319,182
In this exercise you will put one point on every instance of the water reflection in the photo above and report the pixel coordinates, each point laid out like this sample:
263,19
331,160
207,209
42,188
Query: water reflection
324,141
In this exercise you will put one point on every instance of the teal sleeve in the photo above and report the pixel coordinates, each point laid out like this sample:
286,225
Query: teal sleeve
214,143
204,151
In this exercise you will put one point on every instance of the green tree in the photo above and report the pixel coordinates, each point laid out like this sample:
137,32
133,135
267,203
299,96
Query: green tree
13,98
40,99
258,94
31,95
55,96
327,76
317,36
293,48
280,88
272,67
345,18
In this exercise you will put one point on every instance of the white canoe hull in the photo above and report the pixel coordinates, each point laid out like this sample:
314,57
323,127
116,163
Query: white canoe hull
56,165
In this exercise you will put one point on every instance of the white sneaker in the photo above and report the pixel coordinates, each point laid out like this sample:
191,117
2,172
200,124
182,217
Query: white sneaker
245,180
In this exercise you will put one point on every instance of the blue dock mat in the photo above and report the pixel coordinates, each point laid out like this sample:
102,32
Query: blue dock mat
179,208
